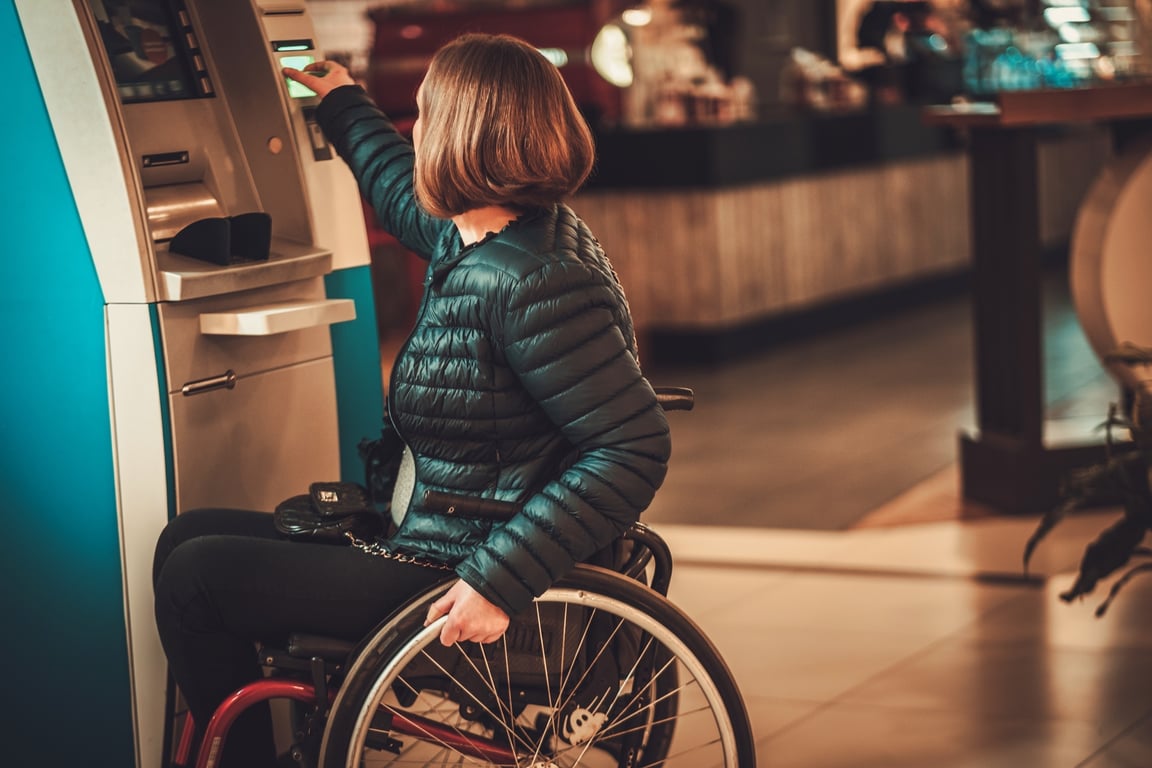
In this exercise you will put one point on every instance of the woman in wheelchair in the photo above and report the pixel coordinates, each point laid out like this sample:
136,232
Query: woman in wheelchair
519,383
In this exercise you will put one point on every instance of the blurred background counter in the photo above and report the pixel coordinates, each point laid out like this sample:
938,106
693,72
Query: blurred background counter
726,236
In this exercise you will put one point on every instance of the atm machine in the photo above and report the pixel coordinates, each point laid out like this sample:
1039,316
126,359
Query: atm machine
189,298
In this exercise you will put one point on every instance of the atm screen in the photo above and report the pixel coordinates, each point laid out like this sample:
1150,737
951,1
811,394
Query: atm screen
295,89
147,43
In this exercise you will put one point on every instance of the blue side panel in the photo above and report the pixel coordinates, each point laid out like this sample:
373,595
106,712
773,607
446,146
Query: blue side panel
356,350
64,640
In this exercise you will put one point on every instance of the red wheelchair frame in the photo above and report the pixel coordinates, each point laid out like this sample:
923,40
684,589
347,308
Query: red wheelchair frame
263,690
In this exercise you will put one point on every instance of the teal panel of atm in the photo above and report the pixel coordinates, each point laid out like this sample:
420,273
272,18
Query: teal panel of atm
356,349
64,642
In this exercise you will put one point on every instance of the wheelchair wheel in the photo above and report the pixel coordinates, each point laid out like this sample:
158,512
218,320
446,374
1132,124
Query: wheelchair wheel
602,672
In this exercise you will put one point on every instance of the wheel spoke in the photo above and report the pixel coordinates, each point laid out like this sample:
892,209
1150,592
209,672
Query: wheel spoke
473,695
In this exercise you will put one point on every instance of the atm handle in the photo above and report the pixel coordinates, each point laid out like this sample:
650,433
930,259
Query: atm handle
226,380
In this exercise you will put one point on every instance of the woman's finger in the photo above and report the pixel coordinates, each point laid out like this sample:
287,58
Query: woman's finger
451,633
438,609
322,77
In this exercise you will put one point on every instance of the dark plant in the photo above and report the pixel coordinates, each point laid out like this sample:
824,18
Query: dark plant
1122,476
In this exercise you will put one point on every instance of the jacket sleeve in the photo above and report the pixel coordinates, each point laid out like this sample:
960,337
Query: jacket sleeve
563,342
382,161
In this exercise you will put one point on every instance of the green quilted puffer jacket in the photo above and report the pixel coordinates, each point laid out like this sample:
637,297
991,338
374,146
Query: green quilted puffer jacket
519,382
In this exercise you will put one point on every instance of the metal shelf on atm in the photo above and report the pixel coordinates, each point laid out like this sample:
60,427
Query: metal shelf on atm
183,278
277,317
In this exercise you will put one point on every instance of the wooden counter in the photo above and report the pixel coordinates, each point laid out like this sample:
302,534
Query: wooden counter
724,235
774,149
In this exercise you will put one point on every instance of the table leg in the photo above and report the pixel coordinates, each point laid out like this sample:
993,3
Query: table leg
1006,463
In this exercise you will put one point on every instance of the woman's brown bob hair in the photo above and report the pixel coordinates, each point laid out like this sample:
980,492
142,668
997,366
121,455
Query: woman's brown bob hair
498,127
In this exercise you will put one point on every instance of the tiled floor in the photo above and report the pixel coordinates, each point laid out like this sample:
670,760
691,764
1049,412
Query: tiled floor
923,645
909,637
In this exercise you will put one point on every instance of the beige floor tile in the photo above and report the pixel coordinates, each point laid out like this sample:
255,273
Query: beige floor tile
1028,680
991,547
928,608
1131,749
1041,617
769,716
844,736
702,591
697,729
810,665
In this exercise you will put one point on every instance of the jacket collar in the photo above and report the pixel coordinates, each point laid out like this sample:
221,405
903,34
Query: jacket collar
452,249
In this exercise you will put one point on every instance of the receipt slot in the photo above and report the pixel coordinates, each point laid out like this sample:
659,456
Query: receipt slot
220,311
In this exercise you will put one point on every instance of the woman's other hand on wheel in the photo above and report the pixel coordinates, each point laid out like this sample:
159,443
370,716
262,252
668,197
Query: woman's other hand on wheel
323,77
470,616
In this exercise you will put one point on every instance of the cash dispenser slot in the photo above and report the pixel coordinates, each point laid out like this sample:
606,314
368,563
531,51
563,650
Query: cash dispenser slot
173,207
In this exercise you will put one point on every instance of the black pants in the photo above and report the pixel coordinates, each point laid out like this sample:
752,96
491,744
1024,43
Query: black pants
225,579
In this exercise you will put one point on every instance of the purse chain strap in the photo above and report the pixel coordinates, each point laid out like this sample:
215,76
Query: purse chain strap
379,550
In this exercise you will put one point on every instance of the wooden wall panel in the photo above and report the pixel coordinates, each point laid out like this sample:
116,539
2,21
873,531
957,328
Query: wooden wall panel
703,258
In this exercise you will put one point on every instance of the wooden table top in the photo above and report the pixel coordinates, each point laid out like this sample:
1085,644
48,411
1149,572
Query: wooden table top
1055,105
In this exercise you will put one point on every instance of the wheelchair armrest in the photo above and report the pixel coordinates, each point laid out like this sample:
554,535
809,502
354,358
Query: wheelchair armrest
675,398
659,551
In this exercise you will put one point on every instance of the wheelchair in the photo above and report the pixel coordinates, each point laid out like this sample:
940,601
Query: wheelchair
602,671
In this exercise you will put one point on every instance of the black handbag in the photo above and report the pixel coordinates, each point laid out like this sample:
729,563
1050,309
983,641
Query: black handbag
342,513
330,513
